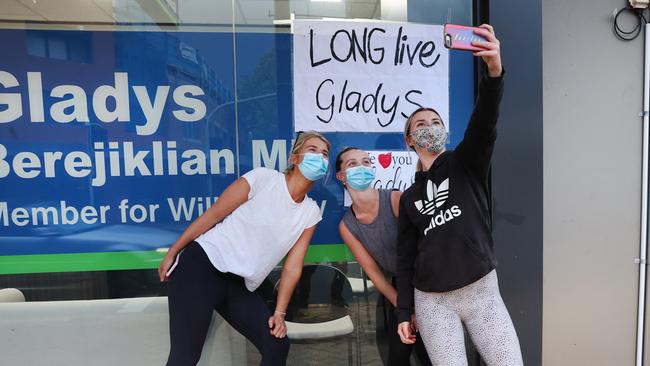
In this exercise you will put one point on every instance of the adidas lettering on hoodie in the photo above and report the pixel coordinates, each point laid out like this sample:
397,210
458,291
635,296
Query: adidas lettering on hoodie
445,236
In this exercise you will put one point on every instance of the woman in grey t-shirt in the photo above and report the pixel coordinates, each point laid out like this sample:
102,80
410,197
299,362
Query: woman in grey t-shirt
369,229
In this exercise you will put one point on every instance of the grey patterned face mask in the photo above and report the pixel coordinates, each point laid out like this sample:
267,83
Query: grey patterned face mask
432,139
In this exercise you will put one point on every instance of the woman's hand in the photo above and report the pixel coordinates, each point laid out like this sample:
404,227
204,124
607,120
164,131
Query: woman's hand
414,324
165,265
405,332
492,53
277,325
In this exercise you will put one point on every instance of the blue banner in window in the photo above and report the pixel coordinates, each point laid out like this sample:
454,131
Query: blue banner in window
116,141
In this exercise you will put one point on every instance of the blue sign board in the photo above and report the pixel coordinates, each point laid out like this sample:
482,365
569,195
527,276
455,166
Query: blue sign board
115,141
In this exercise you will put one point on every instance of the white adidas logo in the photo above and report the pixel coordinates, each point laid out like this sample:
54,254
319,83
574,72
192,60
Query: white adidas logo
436,197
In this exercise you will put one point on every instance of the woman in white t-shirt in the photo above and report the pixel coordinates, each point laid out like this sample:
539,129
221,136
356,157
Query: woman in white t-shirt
230,249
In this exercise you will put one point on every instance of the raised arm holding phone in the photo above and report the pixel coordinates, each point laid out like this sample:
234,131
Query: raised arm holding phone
445,254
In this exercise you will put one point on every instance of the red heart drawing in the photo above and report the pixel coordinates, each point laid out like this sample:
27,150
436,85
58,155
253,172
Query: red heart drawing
385,160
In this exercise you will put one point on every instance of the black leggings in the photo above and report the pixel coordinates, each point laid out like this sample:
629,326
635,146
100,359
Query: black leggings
399,354
196,289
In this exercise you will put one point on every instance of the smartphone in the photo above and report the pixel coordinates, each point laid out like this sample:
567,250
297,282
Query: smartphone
173,266
460,37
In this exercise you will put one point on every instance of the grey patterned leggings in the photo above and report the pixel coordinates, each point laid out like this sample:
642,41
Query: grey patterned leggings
479,306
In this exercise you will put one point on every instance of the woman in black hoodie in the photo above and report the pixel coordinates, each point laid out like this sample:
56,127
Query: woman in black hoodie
445,258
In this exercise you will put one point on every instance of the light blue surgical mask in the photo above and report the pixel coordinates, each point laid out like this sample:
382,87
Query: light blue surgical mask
360,177
313,166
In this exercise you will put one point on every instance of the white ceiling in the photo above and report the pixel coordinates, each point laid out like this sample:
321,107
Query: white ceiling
190,11
59,10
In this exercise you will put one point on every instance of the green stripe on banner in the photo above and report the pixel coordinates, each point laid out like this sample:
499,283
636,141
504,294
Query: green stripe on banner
107,261
328,253
79,262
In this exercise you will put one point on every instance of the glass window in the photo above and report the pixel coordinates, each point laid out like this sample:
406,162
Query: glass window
118,84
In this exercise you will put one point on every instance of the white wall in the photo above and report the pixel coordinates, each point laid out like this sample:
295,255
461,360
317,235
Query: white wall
592,171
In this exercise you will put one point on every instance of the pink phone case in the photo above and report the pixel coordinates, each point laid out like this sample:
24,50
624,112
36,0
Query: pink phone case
460,37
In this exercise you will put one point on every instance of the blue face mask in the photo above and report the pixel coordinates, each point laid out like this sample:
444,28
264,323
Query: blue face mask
360,177
313,166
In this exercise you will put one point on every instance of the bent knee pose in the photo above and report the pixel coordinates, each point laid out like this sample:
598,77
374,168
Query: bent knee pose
234,245
369,229
446,263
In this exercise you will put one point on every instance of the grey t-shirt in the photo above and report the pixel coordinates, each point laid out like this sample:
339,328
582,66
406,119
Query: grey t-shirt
380,236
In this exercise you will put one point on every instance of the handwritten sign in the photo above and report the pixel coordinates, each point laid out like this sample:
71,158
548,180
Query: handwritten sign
366,77
393,170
